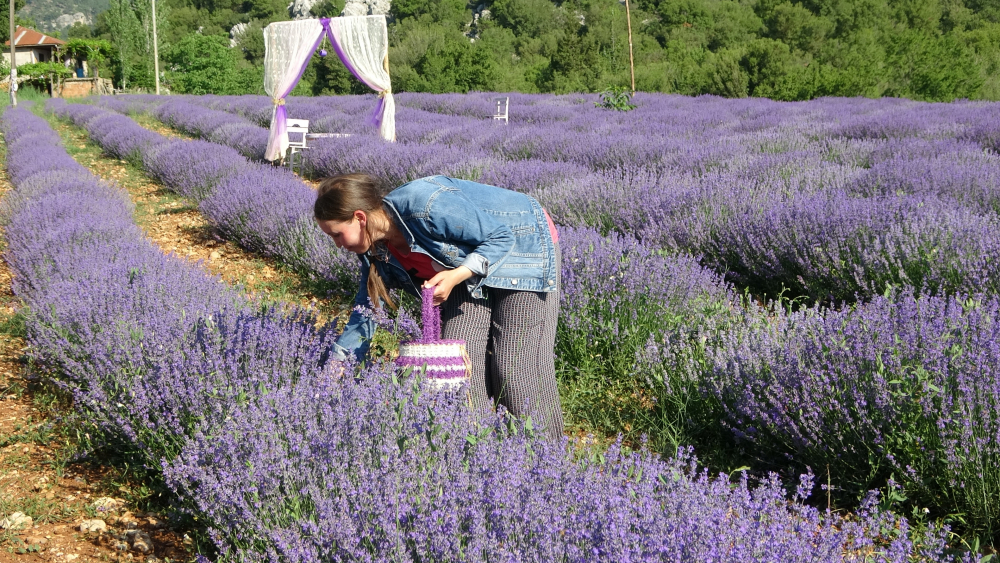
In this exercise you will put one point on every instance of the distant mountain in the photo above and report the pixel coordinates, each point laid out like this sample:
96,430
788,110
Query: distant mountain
54,15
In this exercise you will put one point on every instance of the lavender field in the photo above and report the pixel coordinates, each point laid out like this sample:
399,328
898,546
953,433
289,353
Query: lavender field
798,288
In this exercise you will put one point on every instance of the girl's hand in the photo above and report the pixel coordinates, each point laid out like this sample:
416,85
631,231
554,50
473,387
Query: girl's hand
445,281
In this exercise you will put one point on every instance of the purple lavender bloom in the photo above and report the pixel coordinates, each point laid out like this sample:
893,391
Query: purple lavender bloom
281,459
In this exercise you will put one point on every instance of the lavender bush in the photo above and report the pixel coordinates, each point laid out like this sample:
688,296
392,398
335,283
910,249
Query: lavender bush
265,209
900,386
280,459
830,200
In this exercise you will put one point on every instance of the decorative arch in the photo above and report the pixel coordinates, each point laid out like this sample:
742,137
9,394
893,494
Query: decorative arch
361,42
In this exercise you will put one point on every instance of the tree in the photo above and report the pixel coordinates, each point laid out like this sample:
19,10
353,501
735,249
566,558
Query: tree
205,64
130,25
127,36
5,19
78,30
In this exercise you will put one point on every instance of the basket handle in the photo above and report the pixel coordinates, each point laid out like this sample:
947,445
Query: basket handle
431,317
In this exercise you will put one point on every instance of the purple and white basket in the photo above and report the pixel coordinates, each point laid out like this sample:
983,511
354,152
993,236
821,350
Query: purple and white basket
444,363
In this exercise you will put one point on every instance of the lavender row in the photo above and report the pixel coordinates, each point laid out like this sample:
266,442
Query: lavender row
150,347
902,386
853,196
281,460
263,208
676,283
621,296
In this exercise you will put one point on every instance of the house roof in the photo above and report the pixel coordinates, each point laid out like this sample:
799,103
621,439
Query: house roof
25,37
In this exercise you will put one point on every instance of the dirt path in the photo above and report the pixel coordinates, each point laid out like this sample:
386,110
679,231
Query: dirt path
40,477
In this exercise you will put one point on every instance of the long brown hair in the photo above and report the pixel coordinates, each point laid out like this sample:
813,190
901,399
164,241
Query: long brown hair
338,198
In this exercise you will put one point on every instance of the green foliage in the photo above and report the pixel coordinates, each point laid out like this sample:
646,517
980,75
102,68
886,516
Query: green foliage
129,24
43,70
5,19
204,64
95,51
784,49
451,11
327,8
616,98
78,30
437,59
251,43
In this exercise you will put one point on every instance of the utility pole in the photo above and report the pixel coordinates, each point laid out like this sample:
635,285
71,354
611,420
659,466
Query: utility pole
631,60
156,52
13,61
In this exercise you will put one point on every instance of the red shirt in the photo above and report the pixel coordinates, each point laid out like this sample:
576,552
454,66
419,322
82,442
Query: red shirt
423,267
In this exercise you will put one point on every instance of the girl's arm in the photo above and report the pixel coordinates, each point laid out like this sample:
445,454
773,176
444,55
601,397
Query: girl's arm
360,328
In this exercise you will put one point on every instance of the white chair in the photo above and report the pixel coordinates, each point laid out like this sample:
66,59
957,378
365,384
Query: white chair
501,105
298,132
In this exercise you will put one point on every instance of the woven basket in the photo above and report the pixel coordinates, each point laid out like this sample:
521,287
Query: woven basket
445,364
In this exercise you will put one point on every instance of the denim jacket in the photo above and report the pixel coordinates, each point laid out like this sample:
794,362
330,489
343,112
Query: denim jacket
500,235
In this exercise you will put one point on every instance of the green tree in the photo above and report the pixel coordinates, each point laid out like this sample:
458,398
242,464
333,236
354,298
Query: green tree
576,63
797,27
454,12
5,19
524,17
78,30
327,8
931,67
129,27
205,64
448,62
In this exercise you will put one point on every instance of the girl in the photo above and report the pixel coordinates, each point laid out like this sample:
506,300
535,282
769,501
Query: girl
492,257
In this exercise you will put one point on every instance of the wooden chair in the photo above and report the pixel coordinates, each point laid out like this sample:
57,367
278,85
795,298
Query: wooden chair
298,132
501,106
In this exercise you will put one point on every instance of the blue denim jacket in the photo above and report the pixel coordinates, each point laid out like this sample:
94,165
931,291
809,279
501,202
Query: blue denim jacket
500,235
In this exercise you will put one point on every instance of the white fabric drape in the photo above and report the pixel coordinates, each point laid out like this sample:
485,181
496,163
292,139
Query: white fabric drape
288,46
363,42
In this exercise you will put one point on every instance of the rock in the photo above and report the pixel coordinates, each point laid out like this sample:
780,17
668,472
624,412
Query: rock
366,7
35,540
105,504
16,521
355,8
378,7
93,526
67,20
300,9
140,541
236,33
155,523
215,255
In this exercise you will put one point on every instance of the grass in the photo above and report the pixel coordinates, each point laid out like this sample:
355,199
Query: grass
27,93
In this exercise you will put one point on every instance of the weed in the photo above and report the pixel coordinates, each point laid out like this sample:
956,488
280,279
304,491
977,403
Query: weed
616,98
